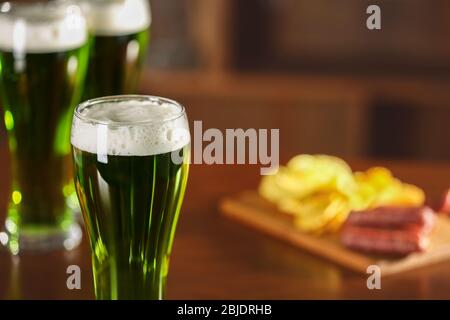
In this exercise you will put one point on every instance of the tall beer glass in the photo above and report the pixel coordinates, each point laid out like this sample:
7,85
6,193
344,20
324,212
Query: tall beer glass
120,34
43,61
131,157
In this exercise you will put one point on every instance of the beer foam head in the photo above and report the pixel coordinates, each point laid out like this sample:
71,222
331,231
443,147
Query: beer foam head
135,126
117,17
41,27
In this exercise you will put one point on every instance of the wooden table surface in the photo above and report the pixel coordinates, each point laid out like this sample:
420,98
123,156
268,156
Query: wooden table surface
214,258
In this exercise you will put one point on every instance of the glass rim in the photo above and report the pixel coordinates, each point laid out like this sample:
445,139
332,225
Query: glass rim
54,9
127,97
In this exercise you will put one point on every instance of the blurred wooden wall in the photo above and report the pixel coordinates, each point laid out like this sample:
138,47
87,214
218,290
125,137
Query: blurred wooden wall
354,92
331,36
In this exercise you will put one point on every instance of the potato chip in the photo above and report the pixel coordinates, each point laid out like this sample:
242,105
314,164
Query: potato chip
379,177
269,190
412,195
339,219
320,191
318,210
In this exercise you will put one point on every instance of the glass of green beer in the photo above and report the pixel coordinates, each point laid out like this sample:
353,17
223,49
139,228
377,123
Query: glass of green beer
120,31
43,61
131,158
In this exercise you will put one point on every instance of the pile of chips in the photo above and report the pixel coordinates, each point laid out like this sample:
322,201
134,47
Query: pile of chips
320,191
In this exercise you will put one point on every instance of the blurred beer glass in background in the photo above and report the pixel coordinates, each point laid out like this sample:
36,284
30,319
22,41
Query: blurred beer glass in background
120,32
43,60
131,158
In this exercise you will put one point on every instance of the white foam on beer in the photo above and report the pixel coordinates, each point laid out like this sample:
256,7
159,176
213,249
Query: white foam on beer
130,128
34,33
117,17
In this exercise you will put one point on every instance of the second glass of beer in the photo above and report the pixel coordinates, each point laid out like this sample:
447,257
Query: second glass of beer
120,32
43,59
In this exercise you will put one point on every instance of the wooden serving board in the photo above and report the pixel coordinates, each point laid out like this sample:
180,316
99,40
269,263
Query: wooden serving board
250,209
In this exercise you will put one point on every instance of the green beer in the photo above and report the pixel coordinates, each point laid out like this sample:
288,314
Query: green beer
120,34
131,156
43,60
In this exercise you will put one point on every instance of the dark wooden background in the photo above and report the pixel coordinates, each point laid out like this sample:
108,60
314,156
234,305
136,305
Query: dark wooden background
353,91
